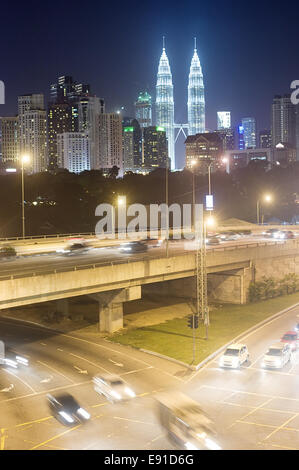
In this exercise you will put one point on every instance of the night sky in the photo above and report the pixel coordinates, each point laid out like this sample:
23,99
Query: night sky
249,50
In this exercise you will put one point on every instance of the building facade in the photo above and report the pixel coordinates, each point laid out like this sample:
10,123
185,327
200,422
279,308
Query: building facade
249,126
265,139
143,109
110,141
10,140
204,150
283,121
155,148
223,120
73,151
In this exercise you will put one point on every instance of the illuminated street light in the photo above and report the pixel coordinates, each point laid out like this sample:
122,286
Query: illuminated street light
121,200
265,198
24,159
210,222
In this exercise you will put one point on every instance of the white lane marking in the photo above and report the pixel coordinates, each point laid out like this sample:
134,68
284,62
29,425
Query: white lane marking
118,364
136,370
21,380
7,389
47,380
90,362
56,371
58,349
81,371
43,344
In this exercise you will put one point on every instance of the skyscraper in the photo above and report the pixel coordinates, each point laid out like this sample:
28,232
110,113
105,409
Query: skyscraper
249,126
283,121
165,103
111,141
33,131
10,133
155,147
223,120
265,139
73,151
196,97
143,109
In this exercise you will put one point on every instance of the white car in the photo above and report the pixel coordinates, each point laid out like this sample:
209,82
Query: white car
277,356
234,356
112,387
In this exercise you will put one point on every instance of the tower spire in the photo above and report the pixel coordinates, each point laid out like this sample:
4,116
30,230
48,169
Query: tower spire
163,43
195,44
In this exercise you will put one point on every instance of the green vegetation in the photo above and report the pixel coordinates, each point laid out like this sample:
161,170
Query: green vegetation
269,287
173,338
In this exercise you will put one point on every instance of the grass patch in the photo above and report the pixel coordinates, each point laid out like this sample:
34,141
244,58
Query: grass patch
173,338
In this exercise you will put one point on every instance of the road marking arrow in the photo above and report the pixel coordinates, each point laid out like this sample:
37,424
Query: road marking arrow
81,371
119,364
7,389
46,380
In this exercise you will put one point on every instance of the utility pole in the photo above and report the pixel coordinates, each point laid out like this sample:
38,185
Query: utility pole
201,271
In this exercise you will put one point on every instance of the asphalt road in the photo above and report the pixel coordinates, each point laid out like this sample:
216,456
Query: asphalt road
48,262
252,408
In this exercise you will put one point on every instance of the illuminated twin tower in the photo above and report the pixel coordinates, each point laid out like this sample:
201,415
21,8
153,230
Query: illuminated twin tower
165,103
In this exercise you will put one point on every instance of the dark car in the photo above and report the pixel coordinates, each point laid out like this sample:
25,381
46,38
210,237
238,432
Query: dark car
66,409
7,252
134,247
153,242
212,240
286,234
271,233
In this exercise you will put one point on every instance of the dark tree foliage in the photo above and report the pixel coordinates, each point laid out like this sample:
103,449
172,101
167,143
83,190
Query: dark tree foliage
65,202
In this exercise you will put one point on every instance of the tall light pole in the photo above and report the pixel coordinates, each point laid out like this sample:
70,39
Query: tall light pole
166,201
265,198
24,159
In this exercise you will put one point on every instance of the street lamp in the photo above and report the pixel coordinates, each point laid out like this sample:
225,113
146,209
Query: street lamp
24,159
266,198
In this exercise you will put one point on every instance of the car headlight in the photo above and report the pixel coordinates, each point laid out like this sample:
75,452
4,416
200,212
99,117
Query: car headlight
210,444
22,360
83,413
11,363
66,417
190,446
116,395
130,392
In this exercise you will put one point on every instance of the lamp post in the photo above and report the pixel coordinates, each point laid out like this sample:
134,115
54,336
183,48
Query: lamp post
24,159
265,198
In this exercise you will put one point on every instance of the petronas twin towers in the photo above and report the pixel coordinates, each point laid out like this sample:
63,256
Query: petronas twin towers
165,102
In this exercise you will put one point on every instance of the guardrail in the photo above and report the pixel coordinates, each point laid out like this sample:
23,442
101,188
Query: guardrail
131,260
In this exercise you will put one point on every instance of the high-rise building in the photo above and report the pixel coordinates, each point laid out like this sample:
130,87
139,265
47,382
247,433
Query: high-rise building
155,147
136,135
33,131
62,117
223,120
265,139
128,148
228,138
89,109
204,149
110,141
165,103
241,143
283,121
73,151
196,97
249,126
10,144
143,109
66,90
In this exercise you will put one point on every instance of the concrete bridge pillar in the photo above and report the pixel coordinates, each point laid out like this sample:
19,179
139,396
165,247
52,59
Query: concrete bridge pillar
111,307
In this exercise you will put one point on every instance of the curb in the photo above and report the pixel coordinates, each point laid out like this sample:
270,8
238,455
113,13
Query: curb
219,350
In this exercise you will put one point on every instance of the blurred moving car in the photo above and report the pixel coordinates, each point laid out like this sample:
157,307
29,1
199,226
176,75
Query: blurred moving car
234,356
74,246
228,236
10,357
66,409
7,251
112,387
271,233
212,240
277,356
133,247
153,242
297,327
285,234
291,337
187,425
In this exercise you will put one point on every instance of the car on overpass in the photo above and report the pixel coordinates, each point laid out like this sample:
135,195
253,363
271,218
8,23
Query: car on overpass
286,235
291,338
66,409
212,240
229,236
234,356
133,247
277,356
112,387
7,252
271,233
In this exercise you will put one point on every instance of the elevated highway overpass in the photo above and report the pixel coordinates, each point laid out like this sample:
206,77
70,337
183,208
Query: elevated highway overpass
113,278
